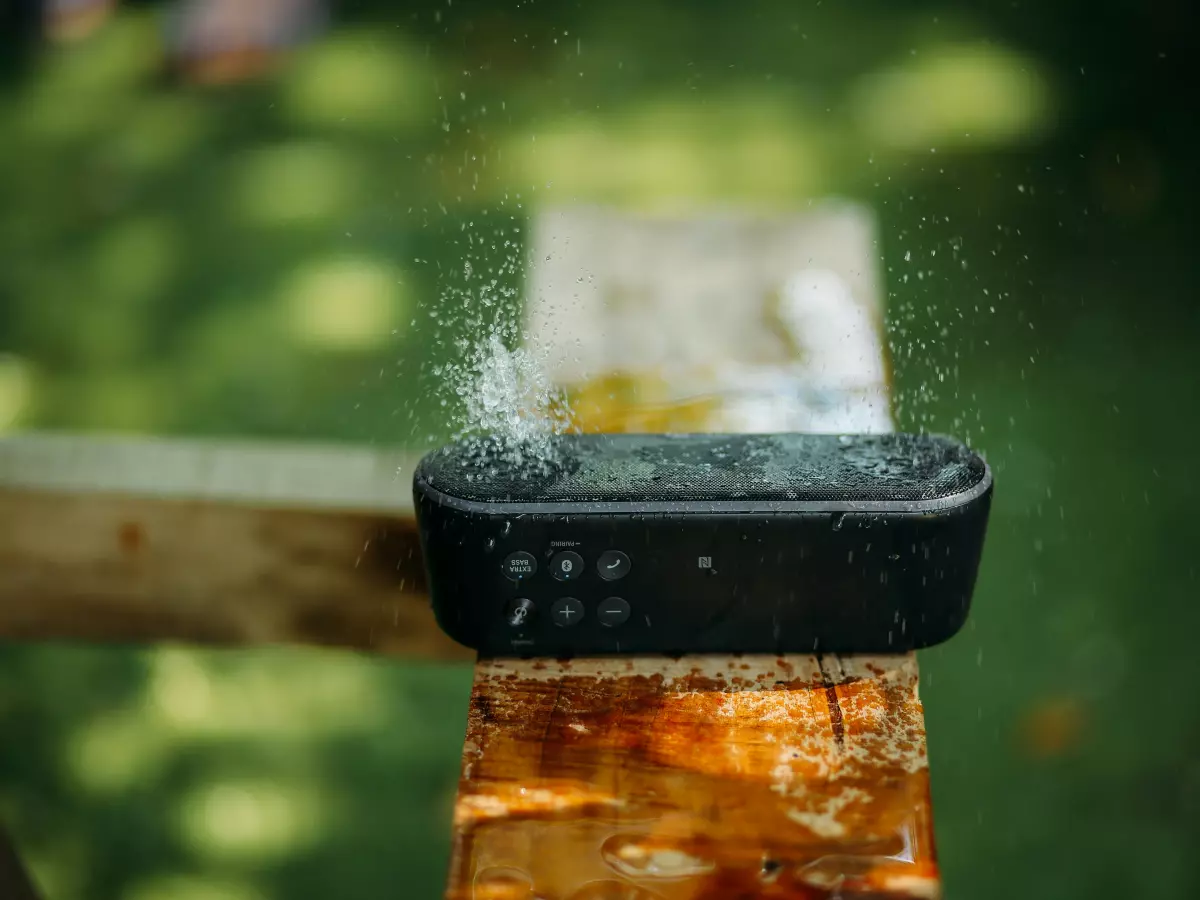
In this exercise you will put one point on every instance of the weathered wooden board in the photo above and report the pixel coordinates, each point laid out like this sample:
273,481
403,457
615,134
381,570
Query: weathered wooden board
121,540
703,778
796,777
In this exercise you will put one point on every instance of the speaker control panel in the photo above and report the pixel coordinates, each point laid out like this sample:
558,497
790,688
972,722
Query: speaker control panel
563,585
566,565
562,610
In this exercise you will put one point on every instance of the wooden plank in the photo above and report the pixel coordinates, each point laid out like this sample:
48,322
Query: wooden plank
703,778
130,540
261,474
695,778
778,318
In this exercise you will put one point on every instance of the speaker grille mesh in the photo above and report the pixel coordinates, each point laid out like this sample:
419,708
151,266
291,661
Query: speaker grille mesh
651,467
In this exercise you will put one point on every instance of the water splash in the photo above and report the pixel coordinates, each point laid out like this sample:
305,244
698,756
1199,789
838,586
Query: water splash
513,410
490,378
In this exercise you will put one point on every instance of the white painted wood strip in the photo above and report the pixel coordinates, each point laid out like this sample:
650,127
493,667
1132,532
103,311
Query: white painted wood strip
277,475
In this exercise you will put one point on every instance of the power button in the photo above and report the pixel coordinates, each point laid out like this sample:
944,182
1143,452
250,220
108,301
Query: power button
520,612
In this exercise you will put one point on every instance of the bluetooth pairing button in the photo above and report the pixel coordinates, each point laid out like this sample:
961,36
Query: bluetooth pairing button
566,566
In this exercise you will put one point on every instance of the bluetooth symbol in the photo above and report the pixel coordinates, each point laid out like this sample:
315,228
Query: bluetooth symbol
567,566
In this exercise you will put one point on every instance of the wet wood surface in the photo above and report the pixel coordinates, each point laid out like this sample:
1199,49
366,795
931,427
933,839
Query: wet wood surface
148,540
698,778
703,778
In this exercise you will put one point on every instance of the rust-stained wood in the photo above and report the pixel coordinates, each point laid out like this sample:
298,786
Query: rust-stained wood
104,540
703,778
699,778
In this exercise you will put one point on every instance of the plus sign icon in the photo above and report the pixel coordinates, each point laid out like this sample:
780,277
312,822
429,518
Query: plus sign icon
567,612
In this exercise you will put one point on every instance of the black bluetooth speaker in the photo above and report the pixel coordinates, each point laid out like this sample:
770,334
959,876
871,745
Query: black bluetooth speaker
647,543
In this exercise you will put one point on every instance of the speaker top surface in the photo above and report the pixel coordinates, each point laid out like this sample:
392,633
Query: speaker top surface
656,468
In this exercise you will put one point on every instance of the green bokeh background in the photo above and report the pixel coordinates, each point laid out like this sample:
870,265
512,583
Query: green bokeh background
270,259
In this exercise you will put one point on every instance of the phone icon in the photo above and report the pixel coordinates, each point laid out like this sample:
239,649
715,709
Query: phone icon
612,564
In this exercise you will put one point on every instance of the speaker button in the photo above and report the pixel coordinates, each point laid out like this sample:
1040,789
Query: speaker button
566,566
520,612
613,612
612,564
567,612
519,565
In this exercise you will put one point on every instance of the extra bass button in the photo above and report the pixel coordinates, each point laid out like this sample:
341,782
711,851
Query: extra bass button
613,612
519,565
567,612
612,564
566,566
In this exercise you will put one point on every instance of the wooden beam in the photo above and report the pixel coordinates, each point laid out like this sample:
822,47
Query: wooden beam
111,540
706,777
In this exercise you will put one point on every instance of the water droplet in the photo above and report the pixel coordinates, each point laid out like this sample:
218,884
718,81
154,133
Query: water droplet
838,520
505,881
770,869
635,856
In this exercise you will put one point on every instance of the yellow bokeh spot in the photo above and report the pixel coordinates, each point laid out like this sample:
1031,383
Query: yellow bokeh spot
952,95
136,399
677,154
134,259
297,182
358,81
160,131
78,92
16,390
251,820
257,697
113,751
180,688
193,887
344,303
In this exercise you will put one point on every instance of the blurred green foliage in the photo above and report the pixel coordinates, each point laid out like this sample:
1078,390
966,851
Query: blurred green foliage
263,258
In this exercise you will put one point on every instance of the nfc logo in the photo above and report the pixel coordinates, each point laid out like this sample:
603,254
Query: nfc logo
705,562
